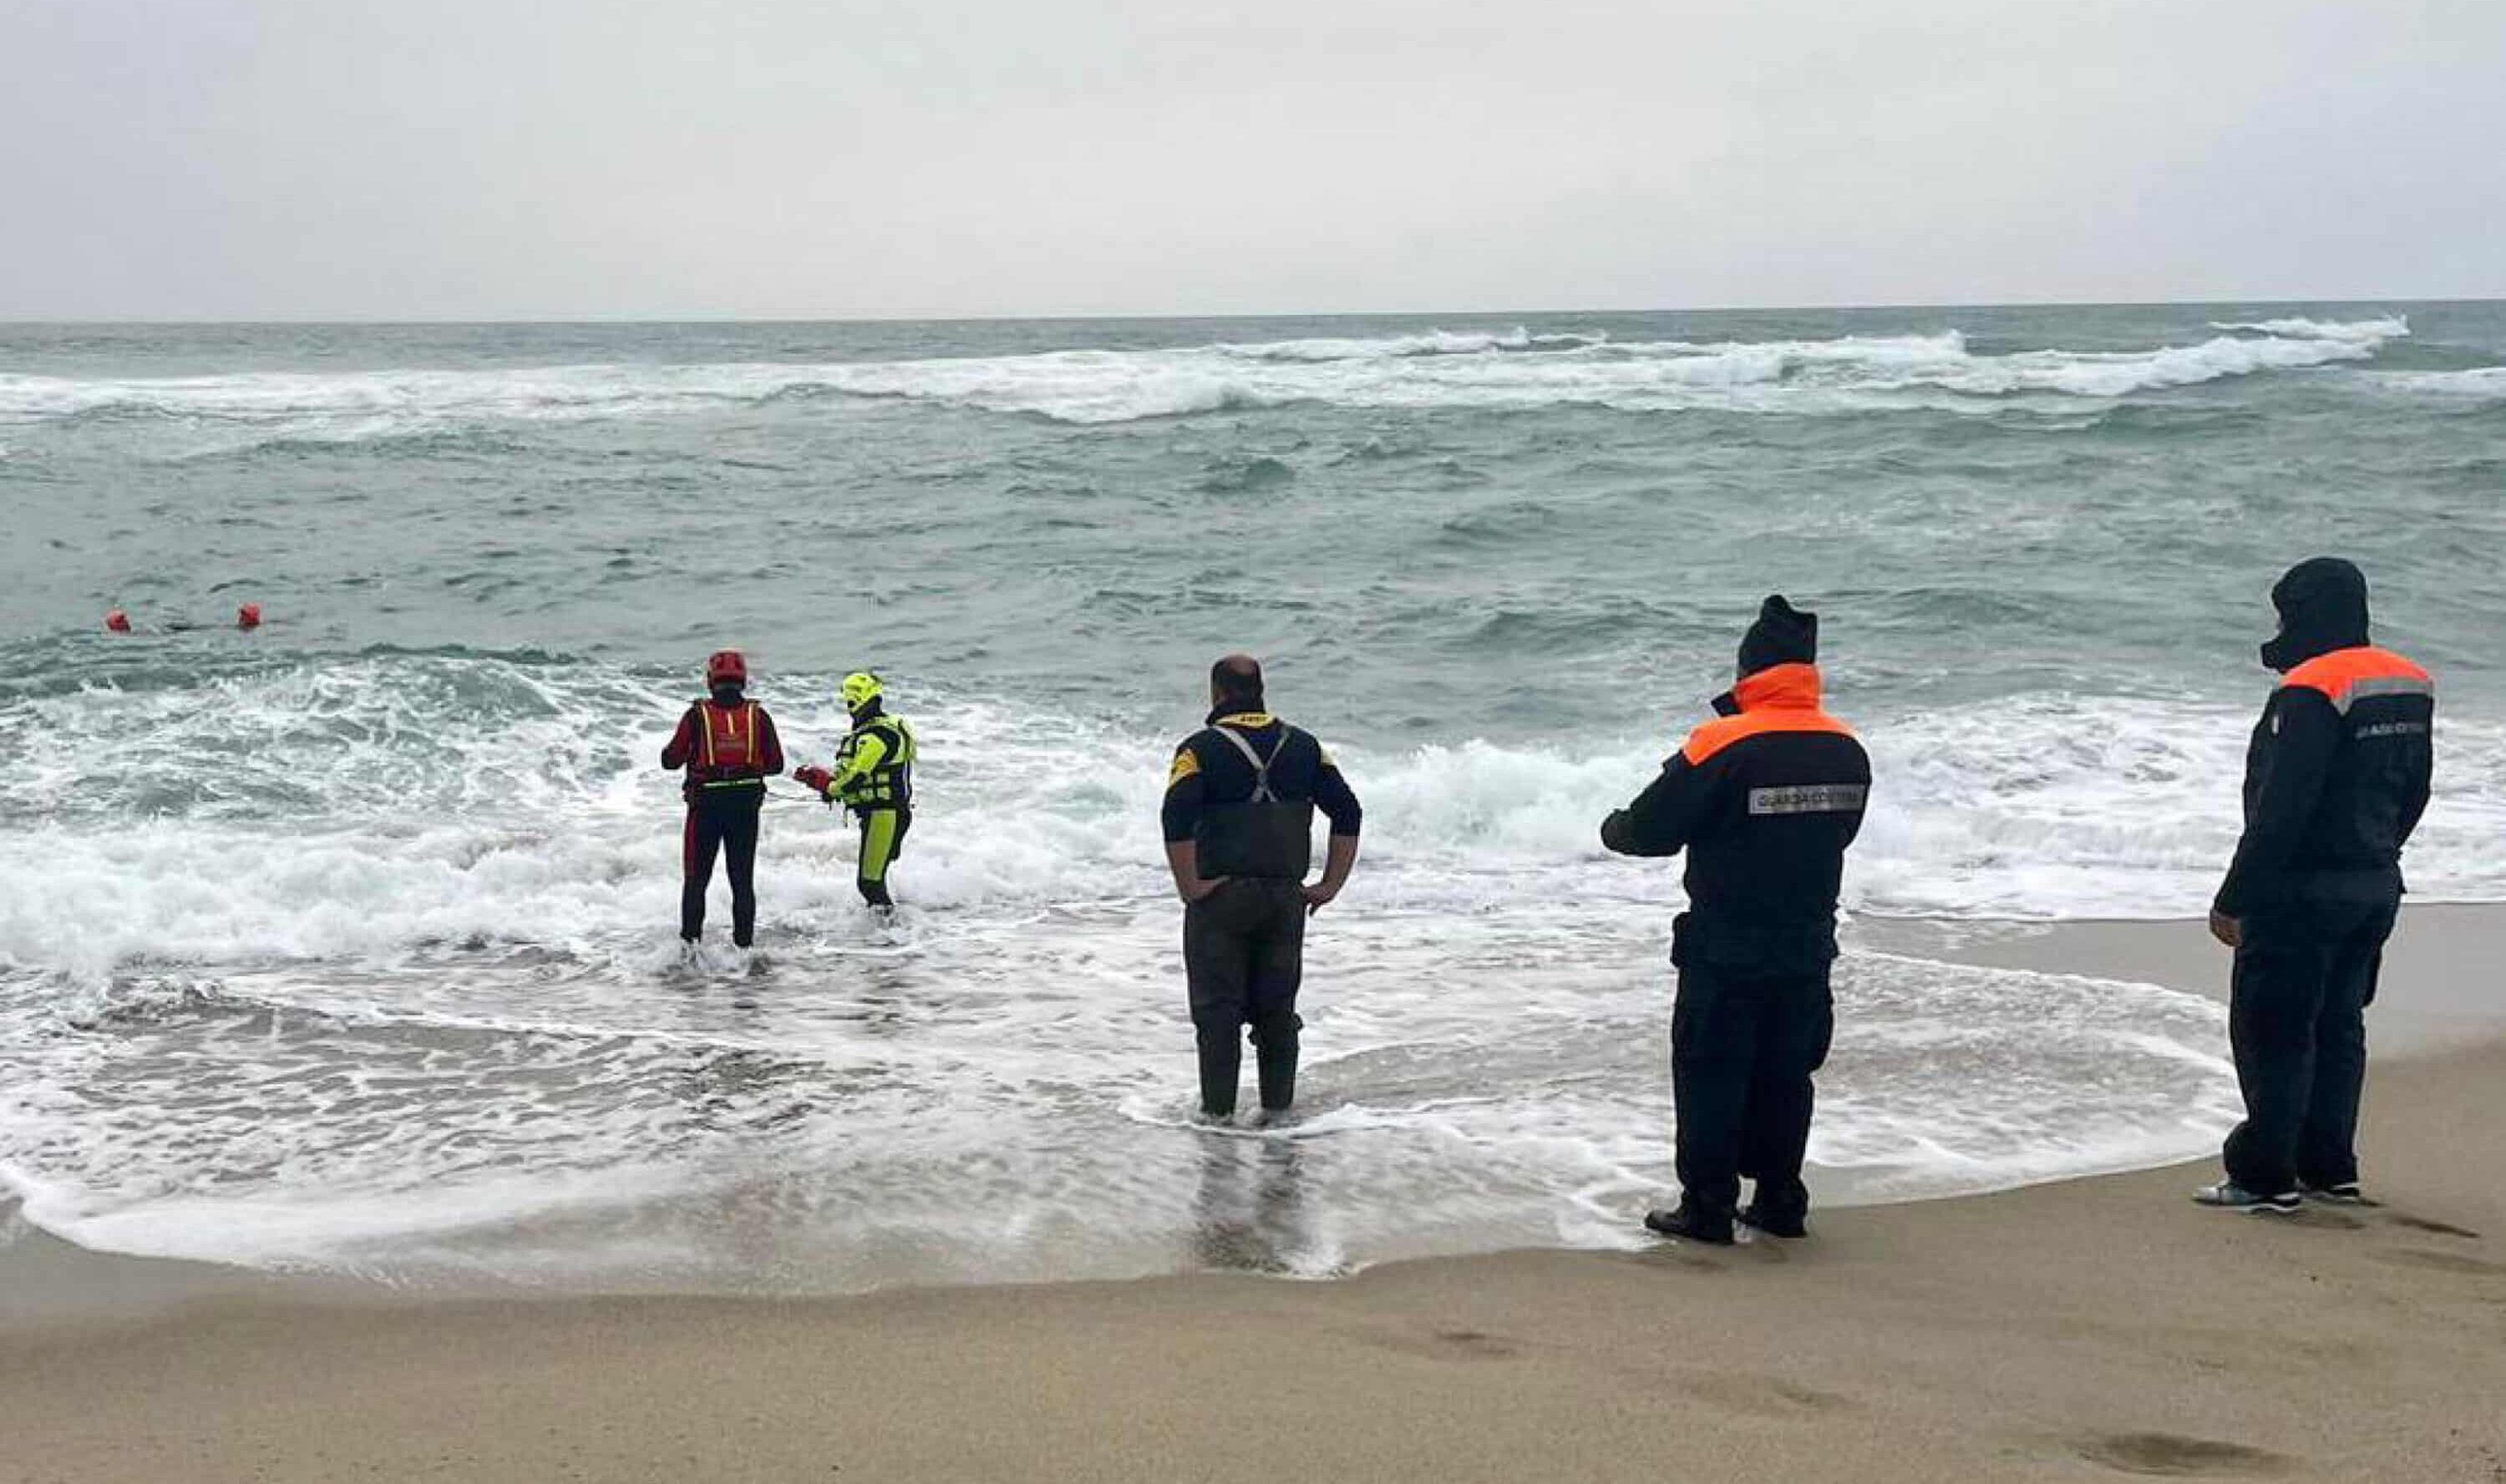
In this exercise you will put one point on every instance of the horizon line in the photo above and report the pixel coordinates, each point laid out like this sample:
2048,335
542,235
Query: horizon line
311,322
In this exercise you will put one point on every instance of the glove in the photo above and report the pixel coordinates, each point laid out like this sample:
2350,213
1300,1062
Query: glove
816,779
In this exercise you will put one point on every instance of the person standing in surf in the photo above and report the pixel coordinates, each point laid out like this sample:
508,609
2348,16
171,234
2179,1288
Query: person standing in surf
874,777
1238,822
1763,799
727,744
2336,779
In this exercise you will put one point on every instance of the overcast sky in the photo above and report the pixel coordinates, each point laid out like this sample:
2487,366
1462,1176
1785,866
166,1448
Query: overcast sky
537,158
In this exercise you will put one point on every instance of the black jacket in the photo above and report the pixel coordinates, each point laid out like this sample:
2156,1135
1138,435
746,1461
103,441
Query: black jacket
2337,774
1208,770
2336,779
1765,802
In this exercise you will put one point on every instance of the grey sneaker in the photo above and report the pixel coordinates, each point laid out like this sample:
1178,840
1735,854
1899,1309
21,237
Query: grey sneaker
2340,1192
2227,1195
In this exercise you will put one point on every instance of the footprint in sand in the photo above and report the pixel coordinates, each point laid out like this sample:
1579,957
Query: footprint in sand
1674,1255
2441,1263
1762,1396
1447,1345
2436,1228
1475,1344
2175,1456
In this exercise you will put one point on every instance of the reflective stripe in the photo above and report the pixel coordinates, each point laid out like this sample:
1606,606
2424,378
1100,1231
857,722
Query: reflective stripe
2382,684
1809,798
709,713
889,781
2346,677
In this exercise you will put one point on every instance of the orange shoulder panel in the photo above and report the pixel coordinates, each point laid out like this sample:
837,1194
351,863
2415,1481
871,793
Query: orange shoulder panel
1721,732
2344,675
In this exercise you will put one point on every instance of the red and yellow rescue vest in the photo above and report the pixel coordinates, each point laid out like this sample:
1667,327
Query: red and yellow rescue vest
729,752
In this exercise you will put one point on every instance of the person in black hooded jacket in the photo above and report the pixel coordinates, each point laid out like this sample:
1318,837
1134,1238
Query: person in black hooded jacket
1763,799
2336,779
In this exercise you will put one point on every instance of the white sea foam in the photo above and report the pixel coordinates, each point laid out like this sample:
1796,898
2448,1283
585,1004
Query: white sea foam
1433,343
1467,1090
374,989
2357,331
1514,369
2478,383
363,810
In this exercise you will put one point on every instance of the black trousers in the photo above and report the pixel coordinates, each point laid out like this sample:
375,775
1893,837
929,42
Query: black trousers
1244,957
1742,1050
2297,1024
723,821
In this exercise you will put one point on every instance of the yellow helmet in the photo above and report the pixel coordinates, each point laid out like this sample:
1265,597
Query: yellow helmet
860,689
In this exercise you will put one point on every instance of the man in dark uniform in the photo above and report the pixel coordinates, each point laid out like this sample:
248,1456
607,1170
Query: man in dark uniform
2336,779
1765,799
727,744
1238,819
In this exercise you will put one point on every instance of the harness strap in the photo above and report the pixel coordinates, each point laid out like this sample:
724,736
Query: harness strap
1262,793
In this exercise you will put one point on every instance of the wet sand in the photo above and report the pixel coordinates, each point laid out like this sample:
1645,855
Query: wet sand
2099,1328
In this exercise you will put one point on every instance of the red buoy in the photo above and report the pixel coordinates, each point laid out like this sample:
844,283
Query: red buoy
117,622
248,616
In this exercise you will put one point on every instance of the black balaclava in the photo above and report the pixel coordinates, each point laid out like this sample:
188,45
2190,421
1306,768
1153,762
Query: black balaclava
728,696
1783,635
2322,607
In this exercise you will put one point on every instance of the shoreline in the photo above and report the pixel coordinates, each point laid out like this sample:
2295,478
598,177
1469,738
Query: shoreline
2088,1327
2434,996
2430,1007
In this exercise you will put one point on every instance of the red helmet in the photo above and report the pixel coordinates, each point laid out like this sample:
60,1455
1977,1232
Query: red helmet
726,668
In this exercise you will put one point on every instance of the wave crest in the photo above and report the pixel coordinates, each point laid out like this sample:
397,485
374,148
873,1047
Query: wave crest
1513,369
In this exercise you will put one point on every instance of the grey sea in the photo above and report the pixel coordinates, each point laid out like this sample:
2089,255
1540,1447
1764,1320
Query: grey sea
349,944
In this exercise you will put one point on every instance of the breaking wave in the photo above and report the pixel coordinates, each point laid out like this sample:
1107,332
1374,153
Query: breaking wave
363,810
1510,370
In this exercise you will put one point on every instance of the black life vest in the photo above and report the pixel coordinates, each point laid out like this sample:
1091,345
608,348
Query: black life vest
1263,836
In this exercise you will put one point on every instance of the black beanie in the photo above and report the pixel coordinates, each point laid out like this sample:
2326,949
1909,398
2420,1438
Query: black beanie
1783,635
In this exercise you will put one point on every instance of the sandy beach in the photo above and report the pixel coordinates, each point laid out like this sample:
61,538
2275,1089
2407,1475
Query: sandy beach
2096,1328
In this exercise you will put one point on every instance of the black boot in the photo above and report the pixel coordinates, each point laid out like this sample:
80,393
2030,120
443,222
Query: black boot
1780,1208
1691,1222
1775,1223
1222,1062
1275,1060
